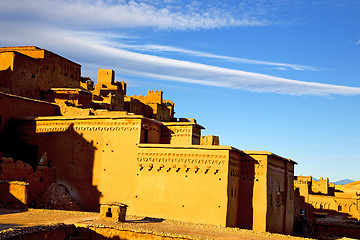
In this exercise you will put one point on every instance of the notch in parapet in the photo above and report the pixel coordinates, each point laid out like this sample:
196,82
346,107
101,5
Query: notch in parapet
210,140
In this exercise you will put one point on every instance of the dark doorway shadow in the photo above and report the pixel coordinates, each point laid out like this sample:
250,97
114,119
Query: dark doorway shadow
68,153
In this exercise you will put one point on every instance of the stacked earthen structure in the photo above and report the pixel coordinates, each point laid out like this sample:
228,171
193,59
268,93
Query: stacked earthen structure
105,146
320,197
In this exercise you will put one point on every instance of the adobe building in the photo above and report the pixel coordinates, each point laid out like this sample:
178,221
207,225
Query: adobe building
323,198
105,146
26,71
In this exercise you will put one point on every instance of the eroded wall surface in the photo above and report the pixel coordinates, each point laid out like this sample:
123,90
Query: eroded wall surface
156,164
38,180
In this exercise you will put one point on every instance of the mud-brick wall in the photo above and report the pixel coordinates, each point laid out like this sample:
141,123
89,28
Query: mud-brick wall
15,107
13,194
38,180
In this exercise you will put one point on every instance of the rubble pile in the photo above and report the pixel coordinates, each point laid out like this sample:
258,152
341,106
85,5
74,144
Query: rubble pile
57,196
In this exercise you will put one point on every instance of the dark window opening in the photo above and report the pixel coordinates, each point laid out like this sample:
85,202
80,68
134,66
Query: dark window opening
108,213
146,136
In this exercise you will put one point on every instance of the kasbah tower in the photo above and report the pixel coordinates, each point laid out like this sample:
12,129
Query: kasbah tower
106,146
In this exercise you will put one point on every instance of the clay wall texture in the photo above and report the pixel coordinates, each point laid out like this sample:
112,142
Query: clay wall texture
35,69
14,107
13,194
210,140
161,109
38,180
103,160
322,196
70,96
137,153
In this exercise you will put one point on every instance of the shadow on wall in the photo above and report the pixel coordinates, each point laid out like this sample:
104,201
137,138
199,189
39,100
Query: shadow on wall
13,195
12,148
303,216
308,220
246,192
73,156
68,153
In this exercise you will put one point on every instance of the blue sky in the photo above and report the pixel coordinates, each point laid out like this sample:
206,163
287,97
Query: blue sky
280,76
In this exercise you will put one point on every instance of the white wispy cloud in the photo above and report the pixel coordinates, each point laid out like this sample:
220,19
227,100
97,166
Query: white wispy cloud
126,14
58,27
105,14
95,51
160,48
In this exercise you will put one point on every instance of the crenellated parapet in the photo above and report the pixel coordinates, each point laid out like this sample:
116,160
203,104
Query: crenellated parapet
108,93
162,110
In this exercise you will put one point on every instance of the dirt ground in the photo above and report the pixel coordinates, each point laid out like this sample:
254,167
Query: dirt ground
35,217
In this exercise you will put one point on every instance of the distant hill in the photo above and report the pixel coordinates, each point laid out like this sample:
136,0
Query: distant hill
353,185
344,181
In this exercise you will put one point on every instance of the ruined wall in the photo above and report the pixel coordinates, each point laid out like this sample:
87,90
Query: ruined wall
13,194
38,180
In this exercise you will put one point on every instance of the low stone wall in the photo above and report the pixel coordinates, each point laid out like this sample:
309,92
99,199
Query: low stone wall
102,232
38,180
53,232
352,231
14,194
91,232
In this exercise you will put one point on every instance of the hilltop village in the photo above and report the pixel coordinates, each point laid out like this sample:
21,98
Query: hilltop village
102,146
